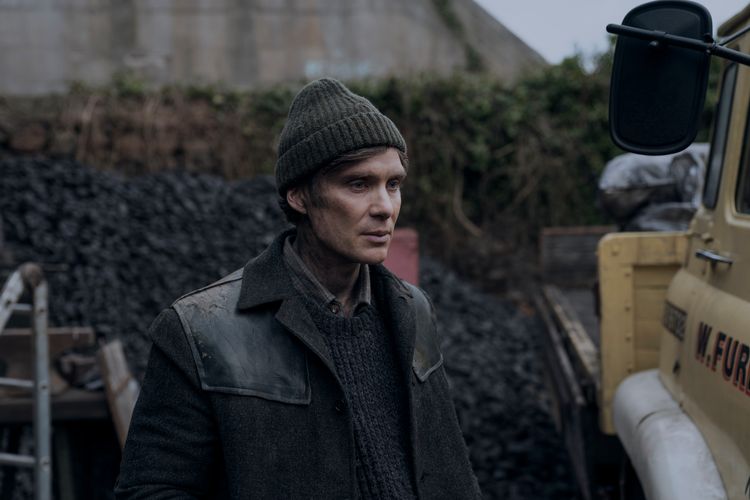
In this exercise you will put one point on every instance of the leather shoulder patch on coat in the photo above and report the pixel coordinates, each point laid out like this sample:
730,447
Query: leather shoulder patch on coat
242,352
427,355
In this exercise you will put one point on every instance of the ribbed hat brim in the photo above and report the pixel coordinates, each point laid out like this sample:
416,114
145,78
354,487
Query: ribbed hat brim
320,148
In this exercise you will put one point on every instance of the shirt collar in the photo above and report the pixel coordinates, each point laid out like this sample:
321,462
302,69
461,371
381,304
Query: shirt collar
307,284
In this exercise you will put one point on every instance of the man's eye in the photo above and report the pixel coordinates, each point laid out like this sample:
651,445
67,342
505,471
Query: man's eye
358,184
394,184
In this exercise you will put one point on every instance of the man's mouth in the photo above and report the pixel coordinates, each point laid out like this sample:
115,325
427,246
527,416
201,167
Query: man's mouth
378,236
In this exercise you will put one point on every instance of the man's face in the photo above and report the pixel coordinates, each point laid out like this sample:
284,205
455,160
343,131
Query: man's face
354,211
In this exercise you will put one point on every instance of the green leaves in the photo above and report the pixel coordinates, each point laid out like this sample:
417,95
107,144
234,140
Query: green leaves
524,156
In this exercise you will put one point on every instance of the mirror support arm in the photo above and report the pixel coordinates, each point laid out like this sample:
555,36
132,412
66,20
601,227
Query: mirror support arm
729,39
680,41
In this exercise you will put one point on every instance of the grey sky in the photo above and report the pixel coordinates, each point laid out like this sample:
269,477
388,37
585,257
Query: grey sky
557,29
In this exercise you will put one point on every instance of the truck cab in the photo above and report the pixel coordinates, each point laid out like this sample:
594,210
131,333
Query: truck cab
705,343
660,382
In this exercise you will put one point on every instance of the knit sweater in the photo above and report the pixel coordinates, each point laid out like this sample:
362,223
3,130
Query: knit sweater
364,358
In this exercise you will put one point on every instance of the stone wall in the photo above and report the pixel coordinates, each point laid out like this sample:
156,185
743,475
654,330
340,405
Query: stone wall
47,44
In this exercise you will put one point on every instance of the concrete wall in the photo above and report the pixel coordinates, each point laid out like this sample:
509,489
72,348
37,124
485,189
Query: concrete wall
47,44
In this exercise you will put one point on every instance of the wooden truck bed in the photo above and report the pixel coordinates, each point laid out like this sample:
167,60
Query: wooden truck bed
602,303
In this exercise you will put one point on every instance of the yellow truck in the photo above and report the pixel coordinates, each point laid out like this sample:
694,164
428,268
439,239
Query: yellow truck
651,375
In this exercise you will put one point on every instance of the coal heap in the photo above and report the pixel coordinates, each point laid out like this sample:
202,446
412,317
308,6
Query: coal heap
121,249
129,247
493,362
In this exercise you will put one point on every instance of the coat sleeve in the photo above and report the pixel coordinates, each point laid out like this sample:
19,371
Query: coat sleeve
171,450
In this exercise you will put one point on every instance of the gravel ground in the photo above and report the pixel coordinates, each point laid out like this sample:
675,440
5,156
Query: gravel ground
129,247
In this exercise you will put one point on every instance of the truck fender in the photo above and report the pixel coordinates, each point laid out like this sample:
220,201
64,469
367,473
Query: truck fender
665,447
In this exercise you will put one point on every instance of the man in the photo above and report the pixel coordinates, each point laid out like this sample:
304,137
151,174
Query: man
313,372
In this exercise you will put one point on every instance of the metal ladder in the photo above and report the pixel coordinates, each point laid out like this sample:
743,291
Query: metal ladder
29,277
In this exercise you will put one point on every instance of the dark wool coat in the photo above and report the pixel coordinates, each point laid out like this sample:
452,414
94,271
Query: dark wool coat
252,408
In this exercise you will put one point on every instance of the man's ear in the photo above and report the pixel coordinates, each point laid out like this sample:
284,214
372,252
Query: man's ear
297,199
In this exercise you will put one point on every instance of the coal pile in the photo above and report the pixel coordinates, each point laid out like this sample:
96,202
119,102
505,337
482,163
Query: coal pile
126,248
129,247
493,362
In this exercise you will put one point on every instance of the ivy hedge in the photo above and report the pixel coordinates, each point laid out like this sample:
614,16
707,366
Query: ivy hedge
490,163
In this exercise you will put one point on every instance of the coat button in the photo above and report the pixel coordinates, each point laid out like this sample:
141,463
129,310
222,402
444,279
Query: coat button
340,406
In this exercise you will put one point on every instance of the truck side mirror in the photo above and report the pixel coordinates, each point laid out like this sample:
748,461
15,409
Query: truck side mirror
658,89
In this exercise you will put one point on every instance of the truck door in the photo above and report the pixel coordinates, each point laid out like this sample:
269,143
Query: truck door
713,370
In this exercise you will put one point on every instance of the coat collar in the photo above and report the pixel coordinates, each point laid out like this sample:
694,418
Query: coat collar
266,278
398,313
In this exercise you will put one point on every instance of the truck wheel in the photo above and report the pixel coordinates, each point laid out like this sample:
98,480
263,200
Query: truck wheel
630,486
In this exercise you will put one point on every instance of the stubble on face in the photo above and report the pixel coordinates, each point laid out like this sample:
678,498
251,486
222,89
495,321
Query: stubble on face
352,212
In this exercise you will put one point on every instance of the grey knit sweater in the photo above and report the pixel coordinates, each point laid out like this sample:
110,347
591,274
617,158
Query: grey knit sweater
364,359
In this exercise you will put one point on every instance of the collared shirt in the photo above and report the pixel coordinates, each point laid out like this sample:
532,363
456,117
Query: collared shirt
306,283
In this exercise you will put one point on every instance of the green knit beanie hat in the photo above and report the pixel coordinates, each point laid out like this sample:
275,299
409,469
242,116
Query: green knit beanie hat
326,120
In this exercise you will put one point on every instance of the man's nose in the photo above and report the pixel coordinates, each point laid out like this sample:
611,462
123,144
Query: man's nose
382,203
